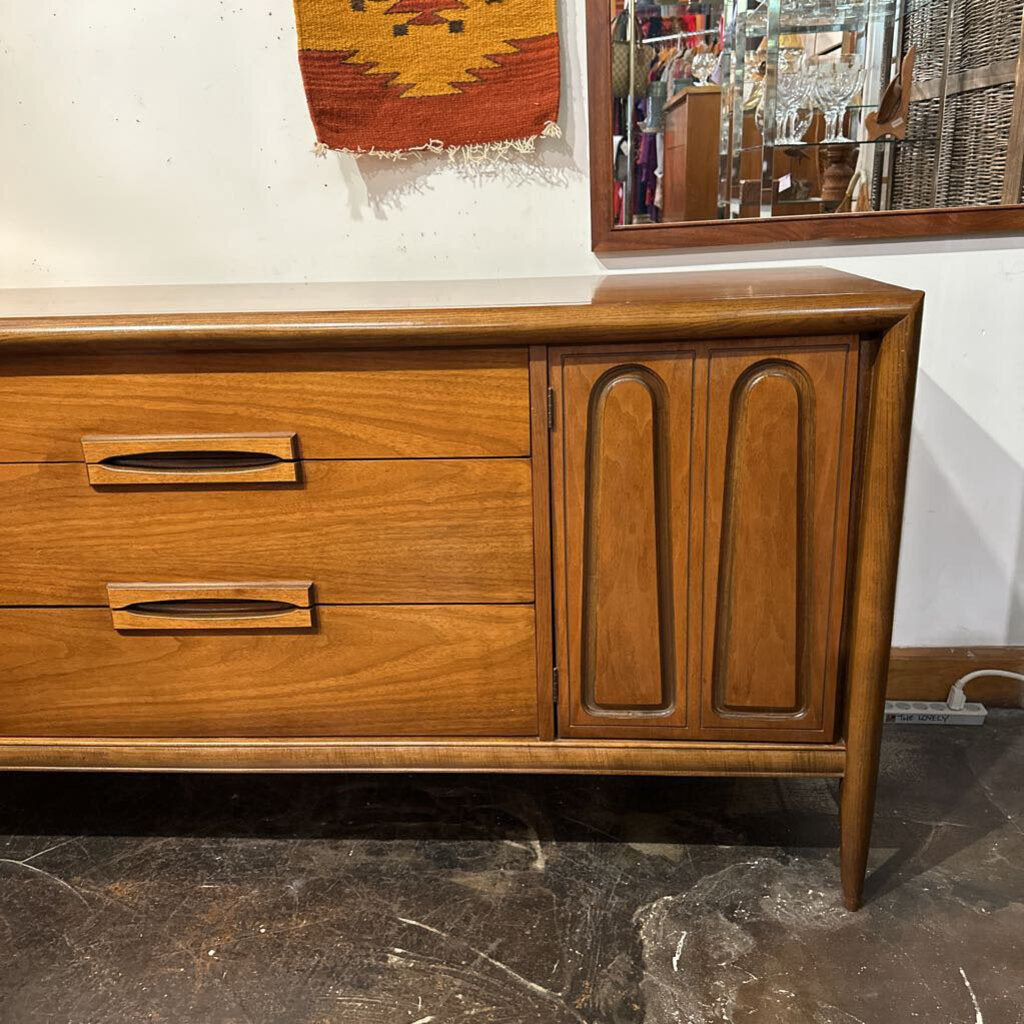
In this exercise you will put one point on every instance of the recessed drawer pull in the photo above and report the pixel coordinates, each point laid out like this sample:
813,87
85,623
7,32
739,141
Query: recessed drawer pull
192,462
210,605
209,608
199,459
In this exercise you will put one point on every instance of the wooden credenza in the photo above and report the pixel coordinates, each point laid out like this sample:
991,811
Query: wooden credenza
648,525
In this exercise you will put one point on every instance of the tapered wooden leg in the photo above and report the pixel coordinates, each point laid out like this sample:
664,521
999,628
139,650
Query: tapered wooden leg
856,812
879,515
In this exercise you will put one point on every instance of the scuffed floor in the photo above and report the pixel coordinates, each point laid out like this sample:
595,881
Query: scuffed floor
519,900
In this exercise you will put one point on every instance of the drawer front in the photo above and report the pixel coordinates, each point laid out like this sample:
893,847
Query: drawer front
388,531
358,405
361,671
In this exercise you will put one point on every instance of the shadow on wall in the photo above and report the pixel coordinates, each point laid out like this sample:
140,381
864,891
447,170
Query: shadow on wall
961,578
379,186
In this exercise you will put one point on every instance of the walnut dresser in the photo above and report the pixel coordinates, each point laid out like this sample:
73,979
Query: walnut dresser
644,524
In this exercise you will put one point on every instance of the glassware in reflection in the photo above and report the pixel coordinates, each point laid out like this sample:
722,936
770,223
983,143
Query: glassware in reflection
796,13
802,119
836,80
753,75
704,65
794,90
847,11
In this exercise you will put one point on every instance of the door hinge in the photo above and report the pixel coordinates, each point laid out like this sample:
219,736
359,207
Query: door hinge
554,684
551,408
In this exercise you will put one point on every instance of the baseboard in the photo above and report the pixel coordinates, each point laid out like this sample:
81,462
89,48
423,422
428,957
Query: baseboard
927,673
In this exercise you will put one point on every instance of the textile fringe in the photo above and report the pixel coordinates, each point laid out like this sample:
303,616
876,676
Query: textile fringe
473,153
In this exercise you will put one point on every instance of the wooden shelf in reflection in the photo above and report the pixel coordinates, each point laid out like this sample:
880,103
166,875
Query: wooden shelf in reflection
692,119
692,127
799,163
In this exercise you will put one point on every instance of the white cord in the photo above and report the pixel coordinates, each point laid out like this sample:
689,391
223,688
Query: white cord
956,699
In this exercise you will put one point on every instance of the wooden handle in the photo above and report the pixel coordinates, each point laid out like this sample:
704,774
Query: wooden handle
175,606
191,459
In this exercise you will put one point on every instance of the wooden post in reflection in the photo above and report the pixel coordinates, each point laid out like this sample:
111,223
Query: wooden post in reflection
692,123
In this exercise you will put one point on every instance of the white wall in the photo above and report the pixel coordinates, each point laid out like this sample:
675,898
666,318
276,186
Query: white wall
168,142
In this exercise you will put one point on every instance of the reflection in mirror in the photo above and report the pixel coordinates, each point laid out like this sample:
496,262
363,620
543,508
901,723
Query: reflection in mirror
735,109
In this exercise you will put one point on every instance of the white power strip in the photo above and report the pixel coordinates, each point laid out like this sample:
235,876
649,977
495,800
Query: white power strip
933,712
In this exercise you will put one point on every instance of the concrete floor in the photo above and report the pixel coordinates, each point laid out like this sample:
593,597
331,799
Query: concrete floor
519,900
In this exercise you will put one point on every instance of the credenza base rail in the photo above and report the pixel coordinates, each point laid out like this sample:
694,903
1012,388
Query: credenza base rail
467,755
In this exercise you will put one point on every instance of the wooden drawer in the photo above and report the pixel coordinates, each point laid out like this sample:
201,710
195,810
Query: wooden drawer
357,405
361,671
377,531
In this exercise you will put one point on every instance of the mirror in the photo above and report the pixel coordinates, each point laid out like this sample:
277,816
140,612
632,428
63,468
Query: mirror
726,121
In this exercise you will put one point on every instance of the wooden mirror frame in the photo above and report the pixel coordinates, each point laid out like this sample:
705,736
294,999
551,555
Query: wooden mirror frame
611,238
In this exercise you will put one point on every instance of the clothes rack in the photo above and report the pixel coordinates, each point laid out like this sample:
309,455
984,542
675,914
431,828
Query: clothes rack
679,35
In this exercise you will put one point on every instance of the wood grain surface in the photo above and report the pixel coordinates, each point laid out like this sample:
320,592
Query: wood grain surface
927,673
776,509
685,468
878,517
210,606
313,753
163,460
541,465
390,531
641,308
359,405
365,671
622,465
692,117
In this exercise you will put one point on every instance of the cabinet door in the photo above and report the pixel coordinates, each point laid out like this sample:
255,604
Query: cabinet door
779,438
622,464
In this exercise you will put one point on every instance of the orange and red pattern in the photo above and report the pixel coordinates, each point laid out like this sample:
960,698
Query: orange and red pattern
396,75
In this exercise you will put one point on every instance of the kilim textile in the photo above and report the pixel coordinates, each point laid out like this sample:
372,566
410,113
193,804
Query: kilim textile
390,76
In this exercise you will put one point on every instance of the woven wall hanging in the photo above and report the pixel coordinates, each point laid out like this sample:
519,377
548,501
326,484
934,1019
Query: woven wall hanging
476,78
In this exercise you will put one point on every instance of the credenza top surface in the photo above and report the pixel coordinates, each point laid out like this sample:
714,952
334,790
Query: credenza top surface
647,306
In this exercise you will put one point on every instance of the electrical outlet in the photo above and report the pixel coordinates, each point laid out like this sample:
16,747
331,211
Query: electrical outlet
933,712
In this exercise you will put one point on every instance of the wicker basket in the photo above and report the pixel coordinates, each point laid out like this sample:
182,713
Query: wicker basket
969,167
